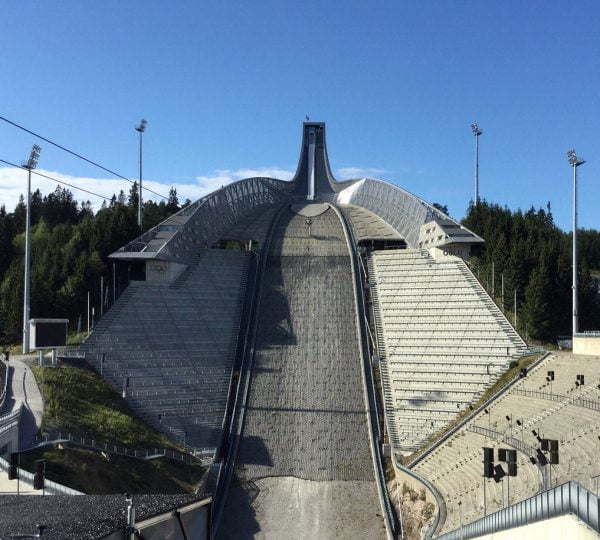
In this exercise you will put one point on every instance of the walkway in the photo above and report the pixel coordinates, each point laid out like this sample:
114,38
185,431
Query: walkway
22,389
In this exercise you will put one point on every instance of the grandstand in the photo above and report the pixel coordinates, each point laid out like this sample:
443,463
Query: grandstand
558,409
171,347
267,312
442,340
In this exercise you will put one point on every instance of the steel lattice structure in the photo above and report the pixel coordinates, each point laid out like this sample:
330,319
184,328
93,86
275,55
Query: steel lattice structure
201,224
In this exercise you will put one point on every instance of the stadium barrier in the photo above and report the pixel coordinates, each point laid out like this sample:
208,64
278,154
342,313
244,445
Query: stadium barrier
368,382
51,488
568,498
57,437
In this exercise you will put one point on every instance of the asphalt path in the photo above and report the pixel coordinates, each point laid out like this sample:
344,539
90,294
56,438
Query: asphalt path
23,390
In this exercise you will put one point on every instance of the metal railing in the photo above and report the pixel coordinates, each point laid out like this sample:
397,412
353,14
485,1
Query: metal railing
51,488
502,437
568,498
57,437
3,390
586,403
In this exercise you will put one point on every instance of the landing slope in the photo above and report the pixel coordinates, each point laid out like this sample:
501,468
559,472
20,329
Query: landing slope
304,464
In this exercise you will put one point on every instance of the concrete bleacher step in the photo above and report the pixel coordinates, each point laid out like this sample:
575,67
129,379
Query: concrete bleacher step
176,344
430,315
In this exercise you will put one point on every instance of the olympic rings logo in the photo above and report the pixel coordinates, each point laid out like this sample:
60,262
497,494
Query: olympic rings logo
158,268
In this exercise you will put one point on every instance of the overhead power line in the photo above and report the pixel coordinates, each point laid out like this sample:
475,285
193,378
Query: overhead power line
75,154
56,180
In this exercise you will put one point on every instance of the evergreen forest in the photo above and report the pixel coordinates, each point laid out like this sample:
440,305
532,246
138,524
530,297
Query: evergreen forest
70,245
533,257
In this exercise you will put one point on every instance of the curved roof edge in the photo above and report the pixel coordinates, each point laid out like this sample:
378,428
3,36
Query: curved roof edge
405,212
199,225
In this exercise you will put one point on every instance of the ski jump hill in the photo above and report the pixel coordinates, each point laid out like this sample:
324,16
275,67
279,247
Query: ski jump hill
295,335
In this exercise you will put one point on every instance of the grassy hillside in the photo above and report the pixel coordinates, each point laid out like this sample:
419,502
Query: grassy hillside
81,402
90,472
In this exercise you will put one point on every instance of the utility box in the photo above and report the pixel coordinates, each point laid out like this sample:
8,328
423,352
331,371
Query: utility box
47,333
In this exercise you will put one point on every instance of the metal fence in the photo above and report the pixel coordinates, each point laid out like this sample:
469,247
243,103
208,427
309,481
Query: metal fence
586,403
51,488
568,498
57,437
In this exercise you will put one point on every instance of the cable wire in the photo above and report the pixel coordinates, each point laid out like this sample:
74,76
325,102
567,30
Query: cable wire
56,180
76,154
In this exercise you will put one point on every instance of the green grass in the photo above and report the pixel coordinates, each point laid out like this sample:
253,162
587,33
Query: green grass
90,472
83,403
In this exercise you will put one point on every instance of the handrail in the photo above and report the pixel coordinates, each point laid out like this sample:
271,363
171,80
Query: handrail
568,498
56,436
586,403
241,396
52,488
368,383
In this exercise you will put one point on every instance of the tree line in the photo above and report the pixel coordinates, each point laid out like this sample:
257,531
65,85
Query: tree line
70,245
534,256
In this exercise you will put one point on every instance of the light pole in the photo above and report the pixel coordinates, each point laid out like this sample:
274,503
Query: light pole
29,165
140,129
574,161
476,133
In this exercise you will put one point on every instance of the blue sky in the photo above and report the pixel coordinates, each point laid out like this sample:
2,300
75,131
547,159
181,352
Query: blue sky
225,87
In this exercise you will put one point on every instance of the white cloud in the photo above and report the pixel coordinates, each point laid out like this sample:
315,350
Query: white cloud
346,173
13,182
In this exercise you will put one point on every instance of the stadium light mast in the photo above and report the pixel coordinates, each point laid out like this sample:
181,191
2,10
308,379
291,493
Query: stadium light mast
476,133
575,162
140,129
30,164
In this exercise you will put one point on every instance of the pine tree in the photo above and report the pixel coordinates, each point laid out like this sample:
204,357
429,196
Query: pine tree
538,297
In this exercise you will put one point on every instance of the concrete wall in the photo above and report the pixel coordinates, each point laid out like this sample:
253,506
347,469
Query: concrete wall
558,528
586,345
163,270
463,251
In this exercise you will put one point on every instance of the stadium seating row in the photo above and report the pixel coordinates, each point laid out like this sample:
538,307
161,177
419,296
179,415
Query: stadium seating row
171,347
443,340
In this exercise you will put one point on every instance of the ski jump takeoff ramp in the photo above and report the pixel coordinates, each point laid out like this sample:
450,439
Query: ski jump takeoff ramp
294,431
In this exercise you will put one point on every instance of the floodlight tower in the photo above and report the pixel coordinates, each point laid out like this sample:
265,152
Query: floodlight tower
30,164
575,162
476,133
140,128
